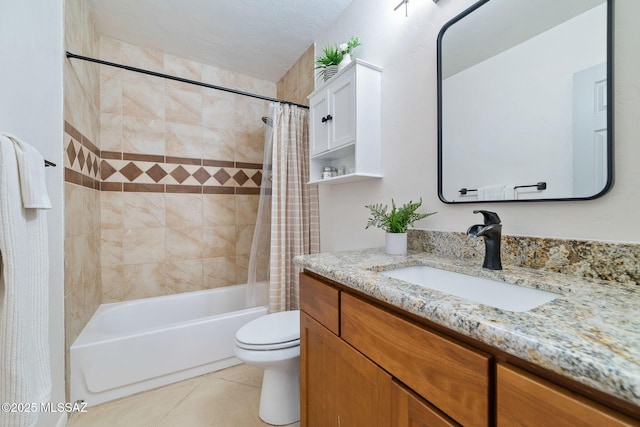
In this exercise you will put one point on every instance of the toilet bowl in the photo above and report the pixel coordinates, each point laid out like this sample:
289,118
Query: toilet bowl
272,342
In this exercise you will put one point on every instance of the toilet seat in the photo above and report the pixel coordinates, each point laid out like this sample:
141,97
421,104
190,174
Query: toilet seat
271,332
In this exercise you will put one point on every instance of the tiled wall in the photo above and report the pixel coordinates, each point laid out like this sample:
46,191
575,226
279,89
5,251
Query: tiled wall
180,173
82,280
297,83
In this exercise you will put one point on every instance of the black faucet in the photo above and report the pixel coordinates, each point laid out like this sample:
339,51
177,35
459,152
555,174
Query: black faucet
491,230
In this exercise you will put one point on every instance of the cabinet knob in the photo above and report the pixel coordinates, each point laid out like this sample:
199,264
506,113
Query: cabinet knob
327,118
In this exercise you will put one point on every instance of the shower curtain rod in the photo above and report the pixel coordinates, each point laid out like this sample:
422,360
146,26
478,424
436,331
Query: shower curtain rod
180,79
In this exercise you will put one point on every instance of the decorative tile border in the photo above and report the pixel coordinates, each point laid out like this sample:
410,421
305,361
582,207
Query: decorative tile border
589,259
129,172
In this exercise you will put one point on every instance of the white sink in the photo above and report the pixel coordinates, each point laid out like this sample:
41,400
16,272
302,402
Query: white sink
484,291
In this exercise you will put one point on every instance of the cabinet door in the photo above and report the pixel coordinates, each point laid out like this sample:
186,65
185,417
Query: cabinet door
364,393
526,400
409,410
318,125
342,98
318,374
339,386
450,375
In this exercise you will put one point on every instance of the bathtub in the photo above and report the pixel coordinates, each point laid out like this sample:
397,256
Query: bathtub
133,346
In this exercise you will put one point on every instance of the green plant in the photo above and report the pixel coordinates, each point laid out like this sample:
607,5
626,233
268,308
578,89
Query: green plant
398,219
347,48
331,55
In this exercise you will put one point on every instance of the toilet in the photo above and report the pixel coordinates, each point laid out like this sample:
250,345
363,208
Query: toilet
272,342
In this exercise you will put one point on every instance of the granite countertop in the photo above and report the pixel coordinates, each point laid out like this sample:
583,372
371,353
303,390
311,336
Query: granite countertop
591,333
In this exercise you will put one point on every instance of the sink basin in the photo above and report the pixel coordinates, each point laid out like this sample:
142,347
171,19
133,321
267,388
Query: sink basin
484,291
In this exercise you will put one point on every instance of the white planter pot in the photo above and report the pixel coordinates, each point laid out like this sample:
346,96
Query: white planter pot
346,59
396,243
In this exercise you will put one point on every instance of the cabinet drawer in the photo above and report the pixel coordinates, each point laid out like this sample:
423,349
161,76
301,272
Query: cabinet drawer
320,301
526,400
451,376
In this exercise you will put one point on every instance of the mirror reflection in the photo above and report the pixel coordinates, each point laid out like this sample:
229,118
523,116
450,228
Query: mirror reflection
523,96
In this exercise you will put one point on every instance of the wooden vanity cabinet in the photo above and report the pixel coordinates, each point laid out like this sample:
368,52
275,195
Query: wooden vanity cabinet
361,365
339,386
410,410
524,399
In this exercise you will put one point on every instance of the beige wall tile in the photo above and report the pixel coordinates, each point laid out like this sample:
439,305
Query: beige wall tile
143,281
183,140
184,210
218,144
142,210
111,247
218,110
143,245
113,289
143,136
183,106
244,237
219,209
140,57
184,243
246,209
142,99
219,271
111,208
219,241
111,132
183,276
242,262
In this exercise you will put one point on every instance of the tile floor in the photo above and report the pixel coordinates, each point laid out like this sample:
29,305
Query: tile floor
227,398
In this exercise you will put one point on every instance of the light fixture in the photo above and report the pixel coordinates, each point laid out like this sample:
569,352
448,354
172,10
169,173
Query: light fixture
405,3
406,8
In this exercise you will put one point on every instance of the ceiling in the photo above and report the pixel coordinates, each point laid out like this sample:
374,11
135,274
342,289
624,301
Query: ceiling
260,38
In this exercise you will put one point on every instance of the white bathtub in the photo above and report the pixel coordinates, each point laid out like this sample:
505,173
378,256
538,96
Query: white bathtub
133,346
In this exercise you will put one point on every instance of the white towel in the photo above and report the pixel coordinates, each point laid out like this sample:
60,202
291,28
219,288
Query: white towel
496,192
33,185
25,371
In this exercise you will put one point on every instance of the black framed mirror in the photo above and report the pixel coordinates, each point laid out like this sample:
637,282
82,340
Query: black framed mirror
525,101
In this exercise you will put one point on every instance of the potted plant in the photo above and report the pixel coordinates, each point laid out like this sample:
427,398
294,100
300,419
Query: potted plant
395,223
327,62
347,50
333,55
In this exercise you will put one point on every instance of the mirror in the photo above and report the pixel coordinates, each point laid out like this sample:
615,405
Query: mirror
523,90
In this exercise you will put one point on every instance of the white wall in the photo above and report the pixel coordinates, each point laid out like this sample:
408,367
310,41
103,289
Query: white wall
31,108
406,49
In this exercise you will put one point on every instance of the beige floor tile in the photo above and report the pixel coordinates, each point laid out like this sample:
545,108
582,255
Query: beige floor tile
227,398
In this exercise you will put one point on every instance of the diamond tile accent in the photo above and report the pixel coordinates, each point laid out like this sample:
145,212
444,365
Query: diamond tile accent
106,170
201,175
156,173
257,178
241,177
81,158
180,174
222,176
143,172
89,163
71,152
131,171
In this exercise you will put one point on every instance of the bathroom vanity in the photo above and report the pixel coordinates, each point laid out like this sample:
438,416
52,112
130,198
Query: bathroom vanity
378,351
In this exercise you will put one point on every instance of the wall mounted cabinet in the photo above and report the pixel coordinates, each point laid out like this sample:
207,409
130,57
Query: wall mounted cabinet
344,115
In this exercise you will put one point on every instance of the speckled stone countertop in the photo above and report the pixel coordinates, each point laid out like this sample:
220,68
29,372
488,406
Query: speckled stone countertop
591,333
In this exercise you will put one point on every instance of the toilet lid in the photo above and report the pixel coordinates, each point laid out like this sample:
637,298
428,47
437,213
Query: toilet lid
276,328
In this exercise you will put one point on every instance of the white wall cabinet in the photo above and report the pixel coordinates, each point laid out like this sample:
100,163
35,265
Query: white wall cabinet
345,125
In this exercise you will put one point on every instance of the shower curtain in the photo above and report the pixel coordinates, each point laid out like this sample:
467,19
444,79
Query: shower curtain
288,209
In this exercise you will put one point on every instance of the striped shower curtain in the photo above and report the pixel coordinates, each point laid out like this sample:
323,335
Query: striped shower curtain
295,223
